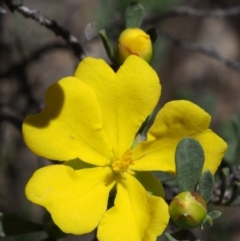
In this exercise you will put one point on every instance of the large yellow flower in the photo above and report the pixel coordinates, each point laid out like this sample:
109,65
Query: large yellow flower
94,116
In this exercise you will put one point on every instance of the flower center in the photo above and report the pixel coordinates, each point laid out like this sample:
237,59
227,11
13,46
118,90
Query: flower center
121,165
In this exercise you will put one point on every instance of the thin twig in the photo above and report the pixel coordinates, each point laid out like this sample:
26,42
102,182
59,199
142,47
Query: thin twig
187,11
203,49
50,24
12,71
14,119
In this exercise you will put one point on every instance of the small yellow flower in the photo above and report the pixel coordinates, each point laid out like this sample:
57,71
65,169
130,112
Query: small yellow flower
94,116
133,41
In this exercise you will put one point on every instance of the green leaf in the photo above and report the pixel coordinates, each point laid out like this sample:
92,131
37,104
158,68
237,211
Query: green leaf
181,235
51,228
164,176
107,45
214,214
189,158
207,222
152,32
206,185
11,224
150,183
134,15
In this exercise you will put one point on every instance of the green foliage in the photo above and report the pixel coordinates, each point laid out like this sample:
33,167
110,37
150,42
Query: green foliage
164,176
208,221
107,45
134,15
189,158
206,185
214,214
11,224
107,9
150,183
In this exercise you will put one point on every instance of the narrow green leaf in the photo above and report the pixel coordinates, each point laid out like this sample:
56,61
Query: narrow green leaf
107,45
134,15
214,214
11,224
206,185
189,158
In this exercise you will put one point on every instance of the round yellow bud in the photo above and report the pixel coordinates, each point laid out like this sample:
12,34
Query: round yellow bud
133,41
188,210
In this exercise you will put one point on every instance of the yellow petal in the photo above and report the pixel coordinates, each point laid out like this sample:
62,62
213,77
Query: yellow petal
126,98
136,215
76,200
180,118
176,120
70,126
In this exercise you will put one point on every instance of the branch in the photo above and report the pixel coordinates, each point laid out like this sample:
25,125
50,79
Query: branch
19,70
50,24
186,11
13,70
206,50
13,118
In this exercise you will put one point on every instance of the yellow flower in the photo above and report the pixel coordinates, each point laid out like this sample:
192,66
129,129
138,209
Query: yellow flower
133,41
94,116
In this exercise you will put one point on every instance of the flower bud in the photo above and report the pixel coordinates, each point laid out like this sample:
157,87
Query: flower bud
133,41
188,210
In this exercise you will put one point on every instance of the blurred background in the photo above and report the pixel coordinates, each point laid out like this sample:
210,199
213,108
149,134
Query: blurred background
32,58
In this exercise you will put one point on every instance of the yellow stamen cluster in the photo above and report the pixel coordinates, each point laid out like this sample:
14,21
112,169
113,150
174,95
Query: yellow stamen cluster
121,165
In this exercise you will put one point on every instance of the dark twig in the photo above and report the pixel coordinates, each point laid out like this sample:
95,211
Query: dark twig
34,56
227,190
19,71
187,11
206,50
50,24
14,119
